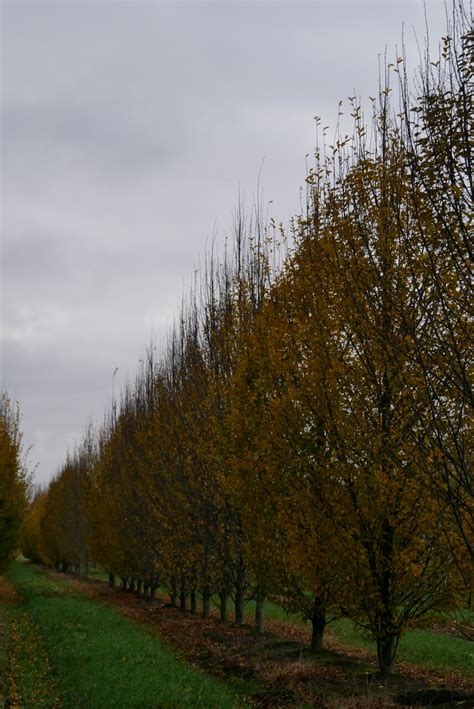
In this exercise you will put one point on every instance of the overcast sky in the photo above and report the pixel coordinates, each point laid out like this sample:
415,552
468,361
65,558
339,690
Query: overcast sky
128,129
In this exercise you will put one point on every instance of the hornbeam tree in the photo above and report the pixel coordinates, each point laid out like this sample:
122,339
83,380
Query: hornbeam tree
437,131
353,257
278,474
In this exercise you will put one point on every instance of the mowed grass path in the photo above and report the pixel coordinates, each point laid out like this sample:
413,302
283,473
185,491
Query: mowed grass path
97,658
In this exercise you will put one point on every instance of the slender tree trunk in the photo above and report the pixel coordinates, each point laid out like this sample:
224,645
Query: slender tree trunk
386,651
206,603
193,601
124,583
131,587
111,581
259,613
223,606
174,593
318,622
239,605
139,586
182,599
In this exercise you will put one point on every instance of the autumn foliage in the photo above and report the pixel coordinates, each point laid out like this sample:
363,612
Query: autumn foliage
14,480
306,435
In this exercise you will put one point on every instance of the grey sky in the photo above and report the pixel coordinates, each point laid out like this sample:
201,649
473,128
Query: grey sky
127,130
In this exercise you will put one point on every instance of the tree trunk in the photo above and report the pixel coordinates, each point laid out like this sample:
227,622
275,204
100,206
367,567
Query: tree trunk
153,586
259,613
239,606
182,600
206,603
386,651
223,606
193,601
139,586
111,581
318,622
174,593
65,567
124,580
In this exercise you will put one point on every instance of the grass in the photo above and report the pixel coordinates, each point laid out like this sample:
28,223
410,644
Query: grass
99,658
417,647
98,575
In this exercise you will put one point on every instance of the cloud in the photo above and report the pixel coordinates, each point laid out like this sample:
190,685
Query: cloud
128,129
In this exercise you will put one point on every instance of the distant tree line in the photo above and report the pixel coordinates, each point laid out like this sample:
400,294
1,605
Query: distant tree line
14,480
306,436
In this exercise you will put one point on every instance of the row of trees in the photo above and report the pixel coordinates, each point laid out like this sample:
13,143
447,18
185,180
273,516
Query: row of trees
14,480
307,433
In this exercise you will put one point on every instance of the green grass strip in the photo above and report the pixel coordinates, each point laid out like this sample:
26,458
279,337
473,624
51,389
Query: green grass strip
417,647
103,660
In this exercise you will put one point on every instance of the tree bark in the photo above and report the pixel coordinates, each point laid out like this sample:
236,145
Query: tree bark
193,601
174,593
223,606
386,651
318,622
206,603
111,581
239,606
182,600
